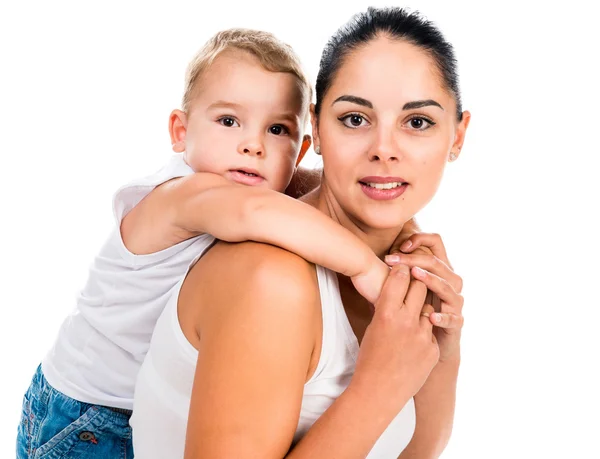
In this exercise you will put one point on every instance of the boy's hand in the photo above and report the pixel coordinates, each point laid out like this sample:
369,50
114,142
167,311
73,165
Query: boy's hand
370,282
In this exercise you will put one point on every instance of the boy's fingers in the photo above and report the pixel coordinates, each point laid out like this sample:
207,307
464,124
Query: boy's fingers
395,288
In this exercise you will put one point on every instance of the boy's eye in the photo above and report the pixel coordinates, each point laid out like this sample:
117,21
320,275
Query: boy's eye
228,121
353,120
278,129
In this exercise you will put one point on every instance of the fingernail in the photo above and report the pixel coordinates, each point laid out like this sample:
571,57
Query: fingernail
392,259
437,318
420,272
406,245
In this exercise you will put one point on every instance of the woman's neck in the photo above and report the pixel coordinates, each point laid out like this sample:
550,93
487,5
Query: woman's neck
379,240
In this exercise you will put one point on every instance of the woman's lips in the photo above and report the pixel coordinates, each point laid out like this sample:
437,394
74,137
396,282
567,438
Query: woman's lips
383,188
245,176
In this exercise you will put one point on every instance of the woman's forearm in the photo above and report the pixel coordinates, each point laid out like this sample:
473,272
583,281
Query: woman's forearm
348,429
434,405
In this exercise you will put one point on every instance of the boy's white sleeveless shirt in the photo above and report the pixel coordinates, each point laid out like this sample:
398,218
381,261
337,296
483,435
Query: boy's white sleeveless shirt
102,344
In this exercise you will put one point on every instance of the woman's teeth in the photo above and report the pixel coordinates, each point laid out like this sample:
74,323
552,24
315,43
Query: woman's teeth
383,186
249,174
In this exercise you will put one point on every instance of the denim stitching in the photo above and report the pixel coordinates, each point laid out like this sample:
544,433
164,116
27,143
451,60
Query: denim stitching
53,447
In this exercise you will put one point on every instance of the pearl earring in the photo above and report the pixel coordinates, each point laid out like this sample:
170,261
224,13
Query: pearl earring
318,150
452,156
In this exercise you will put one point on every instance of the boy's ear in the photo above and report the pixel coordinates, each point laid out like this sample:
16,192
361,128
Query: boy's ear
306,142
177,130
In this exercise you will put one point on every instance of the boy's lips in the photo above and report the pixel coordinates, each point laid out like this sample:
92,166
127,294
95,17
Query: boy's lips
383,188
245,176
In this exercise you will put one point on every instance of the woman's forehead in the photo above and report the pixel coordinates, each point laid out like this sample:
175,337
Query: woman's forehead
386,68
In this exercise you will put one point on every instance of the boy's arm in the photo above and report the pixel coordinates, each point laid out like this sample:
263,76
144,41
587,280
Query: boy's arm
208,203
151,225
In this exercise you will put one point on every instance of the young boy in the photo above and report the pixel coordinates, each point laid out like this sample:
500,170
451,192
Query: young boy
237,141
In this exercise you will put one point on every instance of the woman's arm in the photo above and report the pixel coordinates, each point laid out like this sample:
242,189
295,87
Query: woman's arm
259,326
435,402
434,406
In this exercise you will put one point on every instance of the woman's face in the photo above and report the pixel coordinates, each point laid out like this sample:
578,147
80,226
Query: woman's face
386,129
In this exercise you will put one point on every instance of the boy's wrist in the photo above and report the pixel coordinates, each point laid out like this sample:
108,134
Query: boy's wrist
370,280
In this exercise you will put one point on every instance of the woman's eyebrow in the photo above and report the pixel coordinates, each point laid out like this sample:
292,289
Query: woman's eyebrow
407,106
355,100
420,104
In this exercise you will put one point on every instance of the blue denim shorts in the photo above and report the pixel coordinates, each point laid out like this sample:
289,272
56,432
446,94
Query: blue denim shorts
55,426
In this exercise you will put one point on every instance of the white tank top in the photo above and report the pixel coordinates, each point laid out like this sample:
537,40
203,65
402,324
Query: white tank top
101,345
164,386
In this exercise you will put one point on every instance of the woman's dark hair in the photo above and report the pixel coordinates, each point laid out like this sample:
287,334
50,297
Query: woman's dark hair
396,23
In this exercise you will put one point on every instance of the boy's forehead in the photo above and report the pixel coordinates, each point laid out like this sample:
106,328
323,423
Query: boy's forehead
237,77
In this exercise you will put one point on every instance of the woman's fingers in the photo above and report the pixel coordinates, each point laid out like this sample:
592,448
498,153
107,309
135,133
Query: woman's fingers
441,287
415,297
450,317
432,241
446,320
430,263
425,318
395,288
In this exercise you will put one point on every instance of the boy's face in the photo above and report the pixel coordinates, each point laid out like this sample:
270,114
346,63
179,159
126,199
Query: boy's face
244,123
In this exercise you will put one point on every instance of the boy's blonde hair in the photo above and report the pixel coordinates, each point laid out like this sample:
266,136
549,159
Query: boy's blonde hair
273,55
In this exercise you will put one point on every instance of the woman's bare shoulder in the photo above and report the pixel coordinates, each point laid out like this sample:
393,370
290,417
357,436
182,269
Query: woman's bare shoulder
252,277
261,263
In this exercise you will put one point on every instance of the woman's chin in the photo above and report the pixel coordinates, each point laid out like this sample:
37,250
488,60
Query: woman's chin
381,220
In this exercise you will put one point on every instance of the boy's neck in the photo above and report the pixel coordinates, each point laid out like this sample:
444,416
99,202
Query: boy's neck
380,241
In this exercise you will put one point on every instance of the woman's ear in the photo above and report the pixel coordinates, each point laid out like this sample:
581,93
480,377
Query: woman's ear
178,130
461,131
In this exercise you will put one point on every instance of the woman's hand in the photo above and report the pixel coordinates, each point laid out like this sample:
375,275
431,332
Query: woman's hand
398,350
436,272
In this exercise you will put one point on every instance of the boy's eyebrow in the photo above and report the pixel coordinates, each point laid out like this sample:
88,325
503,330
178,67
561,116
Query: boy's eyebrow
420,104
354,99
223,104
292,117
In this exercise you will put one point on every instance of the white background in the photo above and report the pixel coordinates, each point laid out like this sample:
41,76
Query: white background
85,93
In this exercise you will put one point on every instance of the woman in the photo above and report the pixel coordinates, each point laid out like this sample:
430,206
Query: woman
265,351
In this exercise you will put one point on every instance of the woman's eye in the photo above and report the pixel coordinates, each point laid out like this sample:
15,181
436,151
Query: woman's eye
228,122
420,124
278,129
353,120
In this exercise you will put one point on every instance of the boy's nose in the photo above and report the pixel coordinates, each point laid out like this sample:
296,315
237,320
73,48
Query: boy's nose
254,151
252,148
